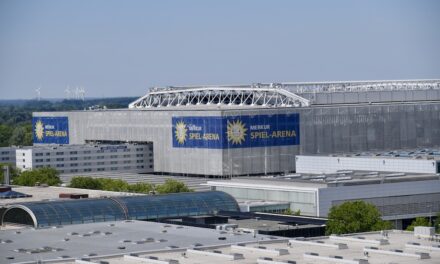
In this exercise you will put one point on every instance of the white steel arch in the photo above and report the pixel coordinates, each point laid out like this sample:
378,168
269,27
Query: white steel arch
221,96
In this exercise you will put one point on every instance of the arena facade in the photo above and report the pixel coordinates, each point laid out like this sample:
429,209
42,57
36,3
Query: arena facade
226,131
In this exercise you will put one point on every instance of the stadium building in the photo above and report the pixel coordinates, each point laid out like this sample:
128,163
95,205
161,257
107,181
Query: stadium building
226,131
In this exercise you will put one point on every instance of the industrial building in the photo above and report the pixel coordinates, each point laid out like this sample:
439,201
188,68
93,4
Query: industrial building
129,242
408,161
225,131
87,158
398,196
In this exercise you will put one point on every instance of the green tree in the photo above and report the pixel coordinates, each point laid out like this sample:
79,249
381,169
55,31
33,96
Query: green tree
5,134
172,186
85,183
141,187
437,223
419,221
113,185
355,216
47,176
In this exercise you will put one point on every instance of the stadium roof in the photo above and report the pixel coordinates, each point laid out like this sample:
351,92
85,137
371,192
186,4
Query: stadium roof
142,207
289,94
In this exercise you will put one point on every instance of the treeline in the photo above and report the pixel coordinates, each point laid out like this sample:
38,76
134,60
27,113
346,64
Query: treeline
16,115
50,177
170,186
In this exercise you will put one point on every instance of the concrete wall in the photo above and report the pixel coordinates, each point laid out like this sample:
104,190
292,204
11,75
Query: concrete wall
410,199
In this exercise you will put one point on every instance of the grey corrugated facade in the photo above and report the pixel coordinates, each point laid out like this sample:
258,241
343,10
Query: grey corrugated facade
323,129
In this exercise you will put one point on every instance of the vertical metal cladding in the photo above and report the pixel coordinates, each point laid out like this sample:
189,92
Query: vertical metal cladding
321,129
50,130
246,131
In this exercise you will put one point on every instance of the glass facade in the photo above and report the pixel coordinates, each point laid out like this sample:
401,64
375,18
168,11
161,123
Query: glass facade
142,207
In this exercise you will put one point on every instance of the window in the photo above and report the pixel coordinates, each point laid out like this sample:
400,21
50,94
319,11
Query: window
113,162
127,156
114,168
7,158
126,150
101,163
47,153
74,165
74,170
5,152
87,169
139,149
100,157
87,152
39,160
47,160
113,156
139,155
127,167
38,154
73,158
113,150
127,161
60,159
140,167
87,158
39,166
74,152
139,161
23,154
60,153
87,163
60,165
151,155
101,169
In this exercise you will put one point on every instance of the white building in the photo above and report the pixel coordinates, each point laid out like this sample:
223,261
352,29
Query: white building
396,195
87,158
417,161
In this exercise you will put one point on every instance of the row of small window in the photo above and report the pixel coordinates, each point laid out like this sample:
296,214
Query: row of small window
5,152
89,163
76,152
98,157
5,158
98,169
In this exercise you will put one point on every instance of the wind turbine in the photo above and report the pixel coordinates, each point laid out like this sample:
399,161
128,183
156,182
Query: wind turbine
38,91
82,92
67,91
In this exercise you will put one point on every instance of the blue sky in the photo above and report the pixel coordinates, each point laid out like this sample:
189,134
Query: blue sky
121,48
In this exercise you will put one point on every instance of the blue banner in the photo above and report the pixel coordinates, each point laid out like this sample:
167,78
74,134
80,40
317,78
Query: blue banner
235,131
50,130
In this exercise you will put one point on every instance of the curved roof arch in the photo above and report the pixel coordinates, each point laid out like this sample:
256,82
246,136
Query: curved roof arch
220,96
141,207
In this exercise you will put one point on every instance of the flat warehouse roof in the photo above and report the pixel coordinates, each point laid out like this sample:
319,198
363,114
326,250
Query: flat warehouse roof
110,238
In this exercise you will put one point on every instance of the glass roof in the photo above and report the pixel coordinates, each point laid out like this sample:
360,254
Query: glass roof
176,205
142,207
